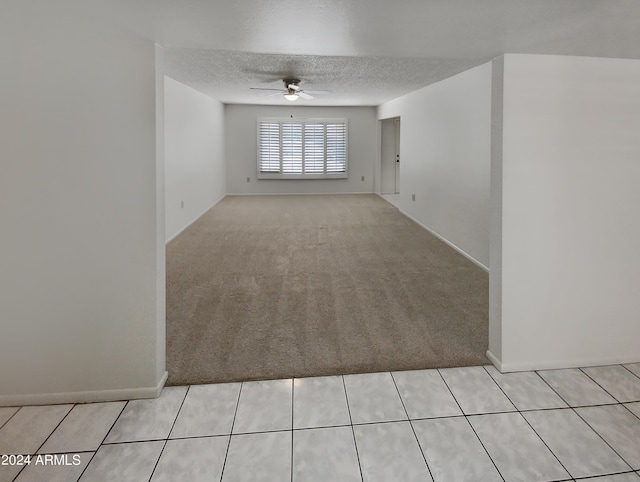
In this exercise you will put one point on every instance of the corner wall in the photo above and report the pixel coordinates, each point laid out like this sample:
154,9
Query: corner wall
242,150
80,265
495,221
570,212
161,261
194,155
445,157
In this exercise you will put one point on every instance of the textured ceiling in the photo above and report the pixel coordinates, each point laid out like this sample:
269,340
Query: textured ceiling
365,51
227,75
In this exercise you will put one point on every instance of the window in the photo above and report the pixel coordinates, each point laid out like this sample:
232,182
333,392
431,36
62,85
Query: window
302,148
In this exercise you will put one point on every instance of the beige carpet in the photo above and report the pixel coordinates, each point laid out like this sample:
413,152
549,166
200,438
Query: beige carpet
265,287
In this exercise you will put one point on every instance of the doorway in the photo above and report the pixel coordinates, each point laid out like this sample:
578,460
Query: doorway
390,160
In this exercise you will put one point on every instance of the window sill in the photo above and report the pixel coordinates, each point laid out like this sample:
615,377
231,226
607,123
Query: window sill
297,177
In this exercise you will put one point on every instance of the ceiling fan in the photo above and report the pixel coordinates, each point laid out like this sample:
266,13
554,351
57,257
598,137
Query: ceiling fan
292,90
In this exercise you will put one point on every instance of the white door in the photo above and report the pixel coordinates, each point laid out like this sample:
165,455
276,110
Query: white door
388,157
397,148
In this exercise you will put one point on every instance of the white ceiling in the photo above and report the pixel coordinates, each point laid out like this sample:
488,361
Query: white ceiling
364,51
226,75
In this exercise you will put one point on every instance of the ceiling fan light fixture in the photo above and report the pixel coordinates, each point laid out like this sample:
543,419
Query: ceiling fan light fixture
291,97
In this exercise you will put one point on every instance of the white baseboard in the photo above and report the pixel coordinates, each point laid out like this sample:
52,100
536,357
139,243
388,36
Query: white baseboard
561,364
295,193
173,236
83,397
446,241
495,360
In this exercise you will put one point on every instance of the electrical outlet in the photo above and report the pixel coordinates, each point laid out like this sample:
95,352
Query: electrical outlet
248,179
413,197
363,178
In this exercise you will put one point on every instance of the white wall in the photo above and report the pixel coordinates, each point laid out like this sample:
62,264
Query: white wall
241,150
79,269
570,212
194,155
445,146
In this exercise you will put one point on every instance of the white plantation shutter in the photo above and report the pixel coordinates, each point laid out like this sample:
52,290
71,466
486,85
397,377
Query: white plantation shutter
314,153
302,149
269,140
336,147
291,139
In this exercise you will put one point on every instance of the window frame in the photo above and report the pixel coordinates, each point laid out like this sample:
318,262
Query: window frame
302,121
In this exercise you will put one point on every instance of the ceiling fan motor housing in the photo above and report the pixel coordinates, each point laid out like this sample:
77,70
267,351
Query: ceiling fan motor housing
291,84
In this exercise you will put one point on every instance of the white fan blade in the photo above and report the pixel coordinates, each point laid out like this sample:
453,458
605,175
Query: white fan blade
293,87
318,92
304,95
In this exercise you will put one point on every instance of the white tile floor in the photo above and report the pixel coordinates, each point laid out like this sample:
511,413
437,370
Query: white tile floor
455,424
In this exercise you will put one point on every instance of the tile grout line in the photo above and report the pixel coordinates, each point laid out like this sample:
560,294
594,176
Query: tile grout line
581,418
142,440
55,428
13,415
635,401
569,405
104,438
424,457
594,381
383,422
19,472
501,390
155,466
553,389
166,441
630,371
186,437
45,440
184,399
292,430
353,432
597,477
531,426
62,452
124,407
257,432
466,417
588,404
607,391
627,408
602,438
224,463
